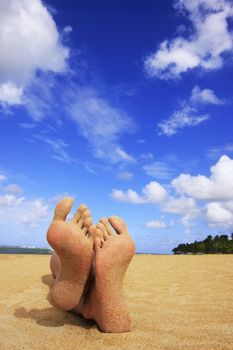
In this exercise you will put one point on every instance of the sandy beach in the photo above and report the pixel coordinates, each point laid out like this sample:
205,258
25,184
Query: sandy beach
176,302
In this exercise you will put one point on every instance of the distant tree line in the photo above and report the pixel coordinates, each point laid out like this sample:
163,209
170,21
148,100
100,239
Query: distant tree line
220,244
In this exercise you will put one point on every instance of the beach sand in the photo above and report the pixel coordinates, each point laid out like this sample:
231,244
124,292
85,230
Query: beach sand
176,302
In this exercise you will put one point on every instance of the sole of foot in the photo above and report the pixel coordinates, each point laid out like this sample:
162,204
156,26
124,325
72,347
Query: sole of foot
74,248
113,253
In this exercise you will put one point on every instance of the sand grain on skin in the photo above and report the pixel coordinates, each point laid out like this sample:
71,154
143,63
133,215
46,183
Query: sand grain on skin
176,302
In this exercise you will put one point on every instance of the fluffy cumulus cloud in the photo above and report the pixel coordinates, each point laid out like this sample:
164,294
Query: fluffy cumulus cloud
22,212
27,28
151,193
189,114
37,210
204,48
191,197
101,124
218,186
184,206
158,224
219,214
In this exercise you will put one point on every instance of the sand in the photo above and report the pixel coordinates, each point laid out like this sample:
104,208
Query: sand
176,302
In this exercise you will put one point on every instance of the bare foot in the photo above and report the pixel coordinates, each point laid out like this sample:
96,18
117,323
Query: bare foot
93,232
74,247
105,303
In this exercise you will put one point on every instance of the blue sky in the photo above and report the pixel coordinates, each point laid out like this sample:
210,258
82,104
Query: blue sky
124,105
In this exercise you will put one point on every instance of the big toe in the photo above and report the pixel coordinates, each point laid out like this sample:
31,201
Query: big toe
63,208
118,224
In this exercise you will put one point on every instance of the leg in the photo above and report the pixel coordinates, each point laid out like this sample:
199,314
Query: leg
73,245
105,302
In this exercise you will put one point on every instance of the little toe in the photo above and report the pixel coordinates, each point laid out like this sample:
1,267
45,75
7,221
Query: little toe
119,225
63,208
78,213
105,223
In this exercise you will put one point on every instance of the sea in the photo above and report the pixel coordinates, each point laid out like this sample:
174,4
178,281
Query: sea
23,250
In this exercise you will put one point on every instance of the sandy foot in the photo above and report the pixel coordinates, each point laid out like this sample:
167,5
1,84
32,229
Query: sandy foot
105,303
74,247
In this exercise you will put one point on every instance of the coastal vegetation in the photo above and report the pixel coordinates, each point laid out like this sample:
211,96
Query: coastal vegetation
220,244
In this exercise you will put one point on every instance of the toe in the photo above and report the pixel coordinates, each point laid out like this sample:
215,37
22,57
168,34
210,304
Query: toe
84,231
88,222
104,231
97,244
105,223
118,224
95,232
99,233
92,231
80,223
78,213
63,208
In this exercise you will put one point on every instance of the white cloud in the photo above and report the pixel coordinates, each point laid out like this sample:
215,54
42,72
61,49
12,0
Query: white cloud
18,210
13,188
205,96
2,177
184,206
158,170
128,196
101,124
57,149
187,116
219,214
37,210
29,42
124,156
9,200
151,193
141,141
158,224
68,29
10,94
193,198
146,156
180,205
204,48
125,175
216,152
219,186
